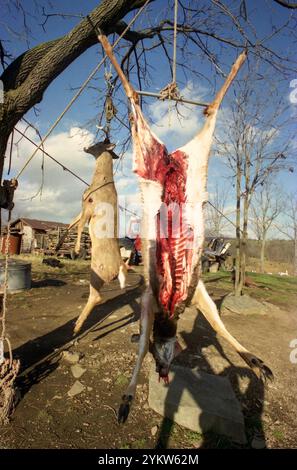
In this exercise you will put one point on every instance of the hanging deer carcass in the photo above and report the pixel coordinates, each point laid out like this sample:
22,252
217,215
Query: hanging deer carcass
99,210
173,188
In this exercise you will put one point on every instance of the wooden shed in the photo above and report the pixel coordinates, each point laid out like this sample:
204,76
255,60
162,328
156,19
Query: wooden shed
34,233
42,236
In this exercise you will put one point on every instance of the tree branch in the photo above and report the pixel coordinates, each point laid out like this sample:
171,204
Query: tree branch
286,4
36,69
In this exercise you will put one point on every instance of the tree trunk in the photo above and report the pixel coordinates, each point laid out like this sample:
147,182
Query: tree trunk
295,251
244,243
262,254
237,289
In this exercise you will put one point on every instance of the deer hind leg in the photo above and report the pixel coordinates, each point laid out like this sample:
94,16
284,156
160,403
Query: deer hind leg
146,324
205,304
81,225
93,300
214,106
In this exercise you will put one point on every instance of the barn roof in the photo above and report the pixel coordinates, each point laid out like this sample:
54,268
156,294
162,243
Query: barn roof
39,224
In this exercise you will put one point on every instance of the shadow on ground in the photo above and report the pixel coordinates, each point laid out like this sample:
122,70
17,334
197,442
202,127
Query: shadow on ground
34,353
251,399
47,283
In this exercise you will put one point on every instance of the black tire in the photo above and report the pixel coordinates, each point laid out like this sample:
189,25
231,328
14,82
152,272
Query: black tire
205,266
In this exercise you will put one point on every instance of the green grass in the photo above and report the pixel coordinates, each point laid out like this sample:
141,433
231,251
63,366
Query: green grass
275,289
125,446
121,380
278,434
139,444
70,267
192,437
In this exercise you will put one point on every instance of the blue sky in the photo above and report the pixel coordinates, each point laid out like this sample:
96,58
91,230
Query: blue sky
66,142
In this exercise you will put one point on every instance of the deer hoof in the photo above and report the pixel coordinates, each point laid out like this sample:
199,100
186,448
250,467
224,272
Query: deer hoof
258,366
124,409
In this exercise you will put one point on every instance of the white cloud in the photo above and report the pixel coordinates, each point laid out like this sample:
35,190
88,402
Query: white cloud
61,195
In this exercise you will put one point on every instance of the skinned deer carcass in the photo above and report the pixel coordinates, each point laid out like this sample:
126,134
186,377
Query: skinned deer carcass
173,189
99,210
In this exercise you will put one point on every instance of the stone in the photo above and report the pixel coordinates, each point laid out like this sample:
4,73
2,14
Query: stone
77,371
154,430
76,389
214,267
258,443
198,401
70,357
244,305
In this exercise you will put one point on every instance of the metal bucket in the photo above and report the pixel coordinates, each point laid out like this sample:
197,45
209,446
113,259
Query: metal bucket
19,275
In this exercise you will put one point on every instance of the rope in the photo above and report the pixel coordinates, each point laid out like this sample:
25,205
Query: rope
83,86
171,91
174,42
5,284
8,367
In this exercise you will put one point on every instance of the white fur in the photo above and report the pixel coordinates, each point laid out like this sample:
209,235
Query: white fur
198,150
122,277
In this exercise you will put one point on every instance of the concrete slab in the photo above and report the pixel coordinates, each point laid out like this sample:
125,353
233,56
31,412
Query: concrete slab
198,401
244,305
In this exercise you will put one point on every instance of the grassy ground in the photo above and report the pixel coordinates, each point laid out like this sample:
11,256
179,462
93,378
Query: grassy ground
278,290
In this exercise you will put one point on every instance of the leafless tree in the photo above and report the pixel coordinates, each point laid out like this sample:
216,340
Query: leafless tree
288,227
256,141
266,207
216,213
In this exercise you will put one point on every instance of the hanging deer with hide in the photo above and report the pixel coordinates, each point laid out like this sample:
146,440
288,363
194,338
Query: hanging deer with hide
99,210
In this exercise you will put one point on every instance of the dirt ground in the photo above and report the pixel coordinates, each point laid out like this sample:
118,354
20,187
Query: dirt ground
40,321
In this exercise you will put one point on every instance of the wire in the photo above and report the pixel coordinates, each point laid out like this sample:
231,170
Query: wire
52,158
83,86
66,169
87,184
174,42
10,152
222,214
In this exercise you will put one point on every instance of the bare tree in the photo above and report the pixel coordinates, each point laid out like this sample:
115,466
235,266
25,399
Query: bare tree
257,143
288,227
216,211
206,24
266,207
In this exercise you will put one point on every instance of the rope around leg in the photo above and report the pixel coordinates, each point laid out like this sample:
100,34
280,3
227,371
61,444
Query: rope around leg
9,367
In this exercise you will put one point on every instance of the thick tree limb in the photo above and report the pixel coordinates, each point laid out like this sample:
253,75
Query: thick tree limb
286,4
26,79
